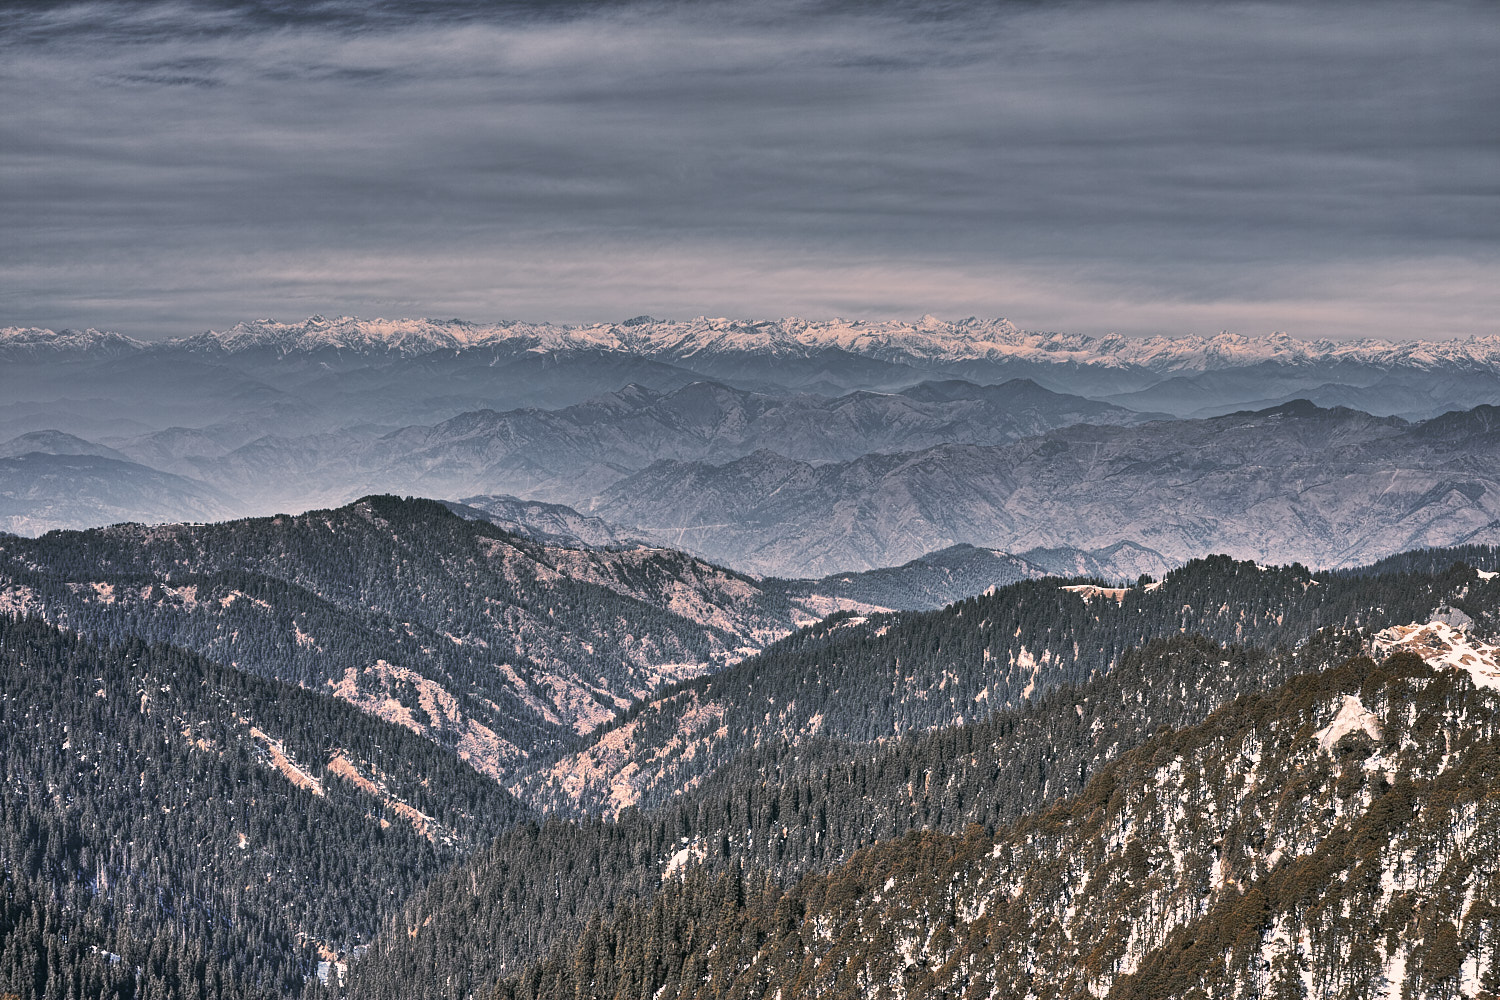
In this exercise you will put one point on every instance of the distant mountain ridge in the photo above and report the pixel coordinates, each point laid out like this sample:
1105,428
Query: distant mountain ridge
1329,487
574,452
928,339
959,571
1296,482
52,442
41,491
548,523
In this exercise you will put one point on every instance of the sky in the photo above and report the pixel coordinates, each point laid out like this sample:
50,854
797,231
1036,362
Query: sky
1327,169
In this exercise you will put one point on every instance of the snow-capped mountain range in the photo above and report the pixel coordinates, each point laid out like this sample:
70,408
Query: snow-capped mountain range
928,339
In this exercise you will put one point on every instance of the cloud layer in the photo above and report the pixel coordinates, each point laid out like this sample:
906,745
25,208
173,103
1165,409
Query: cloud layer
1329,169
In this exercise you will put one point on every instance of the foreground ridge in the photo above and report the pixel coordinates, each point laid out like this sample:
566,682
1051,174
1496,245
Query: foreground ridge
1249,855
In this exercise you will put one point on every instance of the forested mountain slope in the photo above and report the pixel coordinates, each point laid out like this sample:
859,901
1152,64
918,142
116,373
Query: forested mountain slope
173,828
1336,837
788,809
490,644
875,677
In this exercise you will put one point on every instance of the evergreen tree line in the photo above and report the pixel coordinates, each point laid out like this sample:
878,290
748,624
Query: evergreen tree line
306,599
131,774
865,679
150,848
1061,903
790,809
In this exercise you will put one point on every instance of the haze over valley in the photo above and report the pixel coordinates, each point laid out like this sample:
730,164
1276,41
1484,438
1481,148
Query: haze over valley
789,449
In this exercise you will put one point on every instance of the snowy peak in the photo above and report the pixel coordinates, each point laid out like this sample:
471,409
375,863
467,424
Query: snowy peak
37,344
927,339
348,333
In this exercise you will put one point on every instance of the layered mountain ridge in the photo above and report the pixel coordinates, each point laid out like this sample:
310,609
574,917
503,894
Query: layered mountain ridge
784,659
787,771
1329,487
928,339
490,644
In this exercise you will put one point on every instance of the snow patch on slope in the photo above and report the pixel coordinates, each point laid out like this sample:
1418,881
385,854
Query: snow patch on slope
1446,645
1353,717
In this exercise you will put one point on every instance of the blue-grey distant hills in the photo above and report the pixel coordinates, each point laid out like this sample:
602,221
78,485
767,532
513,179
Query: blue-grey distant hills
41,491
959,571
1297,482
265,377
548,523
791,447
1328,487
575,452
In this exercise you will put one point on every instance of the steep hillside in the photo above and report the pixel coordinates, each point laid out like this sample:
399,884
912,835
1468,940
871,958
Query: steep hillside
876,677
1336,837
790,809
492,645
171,827
1328,487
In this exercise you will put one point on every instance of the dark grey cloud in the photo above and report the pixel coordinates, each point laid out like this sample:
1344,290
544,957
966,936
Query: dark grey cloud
1329,168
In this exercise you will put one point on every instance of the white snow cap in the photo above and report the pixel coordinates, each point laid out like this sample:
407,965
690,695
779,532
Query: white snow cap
926,338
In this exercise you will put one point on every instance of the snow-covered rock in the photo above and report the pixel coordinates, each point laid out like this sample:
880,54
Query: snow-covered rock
1448,645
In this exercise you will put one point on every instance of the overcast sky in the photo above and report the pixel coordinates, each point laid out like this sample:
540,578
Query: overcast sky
1326,169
